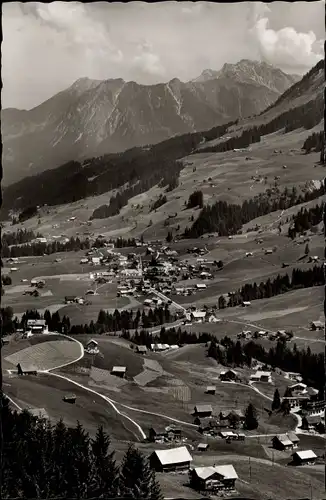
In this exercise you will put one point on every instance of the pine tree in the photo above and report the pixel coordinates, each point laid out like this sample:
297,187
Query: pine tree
136,479
80,469
251,421
276,400
105,481
169,237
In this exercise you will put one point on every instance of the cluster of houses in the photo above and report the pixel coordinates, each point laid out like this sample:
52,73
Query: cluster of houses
34,327
279,335
209,425
203,479
290,442
204,316
299,395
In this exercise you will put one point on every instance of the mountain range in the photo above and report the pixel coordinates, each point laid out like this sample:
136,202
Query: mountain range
138,169
94,117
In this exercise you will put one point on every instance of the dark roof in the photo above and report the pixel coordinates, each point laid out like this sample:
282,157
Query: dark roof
158,430
293,437
238,413
208,422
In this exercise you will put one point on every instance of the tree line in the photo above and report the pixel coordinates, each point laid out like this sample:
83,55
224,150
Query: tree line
36,248
306,219
171,336
19,237
309,365
279,285
227,219
106,322
315,142
41,460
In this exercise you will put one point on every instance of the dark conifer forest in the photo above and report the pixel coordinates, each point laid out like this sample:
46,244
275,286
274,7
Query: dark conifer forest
132,172
279,285
42,460
227,219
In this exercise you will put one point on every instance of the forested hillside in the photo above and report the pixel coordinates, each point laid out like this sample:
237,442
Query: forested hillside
134,171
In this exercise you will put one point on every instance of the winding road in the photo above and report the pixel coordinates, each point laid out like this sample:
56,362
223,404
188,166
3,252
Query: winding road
139,432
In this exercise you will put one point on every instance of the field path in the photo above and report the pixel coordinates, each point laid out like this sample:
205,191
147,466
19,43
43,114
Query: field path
108,400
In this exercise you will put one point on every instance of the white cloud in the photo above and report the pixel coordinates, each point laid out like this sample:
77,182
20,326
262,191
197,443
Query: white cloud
147,61
46,47
286,47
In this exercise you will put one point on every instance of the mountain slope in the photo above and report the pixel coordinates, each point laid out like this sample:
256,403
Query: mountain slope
137,170
95,117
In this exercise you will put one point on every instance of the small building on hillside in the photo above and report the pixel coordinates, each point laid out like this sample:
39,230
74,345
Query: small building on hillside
282,442
246,303
217,478
201,286
157,435
210,389
203,411
173,459
208,425
299,387
39,413
202,447
174,433
311,422
293,438
92,345
314,407
228,376
294,376
37,326
198,316
141,349
70,299
304,457
296,401
317,325
119,371
261,376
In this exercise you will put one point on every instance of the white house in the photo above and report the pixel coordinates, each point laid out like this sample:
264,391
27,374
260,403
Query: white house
198,316
201,286
36,326
261,376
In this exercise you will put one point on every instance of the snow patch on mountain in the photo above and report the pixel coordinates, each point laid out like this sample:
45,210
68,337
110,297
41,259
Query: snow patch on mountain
178,101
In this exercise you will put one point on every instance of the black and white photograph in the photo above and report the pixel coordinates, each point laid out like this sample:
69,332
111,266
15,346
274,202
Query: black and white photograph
163,251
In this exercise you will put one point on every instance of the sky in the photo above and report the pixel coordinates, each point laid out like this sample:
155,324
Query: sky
47,47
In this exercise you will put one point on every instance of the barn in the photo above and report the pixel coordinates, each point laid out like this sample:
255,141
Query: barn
215,478
170,460
119,371
203,410
304,457
282,442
